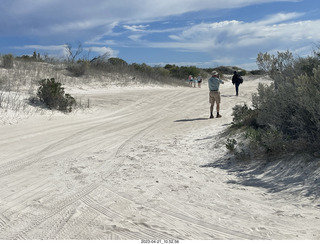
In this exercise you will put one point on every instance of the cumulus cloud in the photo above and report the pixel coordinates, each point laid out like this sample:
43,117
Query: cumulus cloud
103,50
229,36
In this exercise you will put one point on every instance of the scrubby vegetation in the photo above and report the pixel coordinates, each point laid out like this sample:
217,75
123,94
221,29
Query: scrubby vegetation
284,116
228,70
21,75
51,93
170,74
7,61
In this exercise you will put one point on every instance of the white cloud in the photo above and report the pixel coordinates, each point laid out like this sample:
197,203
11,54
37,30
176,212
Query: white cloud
61,49
56,49
75,26
136,38
103,50
59,15
96,24
232,35
43,47
136,27
235,39
280,17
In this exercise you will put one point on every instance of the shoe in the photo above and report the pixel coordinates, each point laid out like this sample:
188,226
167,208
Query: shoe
211,116
218,116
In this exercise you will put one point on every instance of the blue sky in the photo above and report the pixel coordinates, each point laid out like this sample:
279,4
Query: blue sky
205,33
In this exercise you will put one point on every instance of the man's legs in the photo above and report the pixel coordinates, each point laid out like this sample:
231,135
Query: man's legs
211,111
237,89
218,110
214,98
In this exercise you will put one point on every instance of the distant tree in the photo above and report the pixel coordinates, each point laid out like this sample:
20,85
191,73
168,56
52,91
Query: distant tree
71,56
117,61
174,70
101,61
34,55
183,71
280,67
101,58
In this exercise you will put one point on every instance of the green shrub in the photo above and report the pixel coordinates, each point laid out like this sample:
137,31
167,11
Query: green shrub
7,61
52,94
272,140
285,115
257,72
242,72
231,144
183,72
244,116
117,62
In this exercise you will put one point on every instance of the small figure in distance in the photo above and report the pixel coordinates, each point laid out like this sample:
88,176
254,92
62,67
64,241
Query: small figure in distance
194,82
199,81
237,80
190,80
214,93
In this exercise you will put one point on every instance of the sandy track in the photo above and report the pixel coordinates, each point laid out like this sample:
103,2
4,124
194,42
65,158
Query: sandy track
133,169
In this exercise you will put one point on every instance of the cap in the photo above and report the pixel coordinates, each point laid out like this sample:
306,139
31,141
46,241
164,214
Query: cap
214,72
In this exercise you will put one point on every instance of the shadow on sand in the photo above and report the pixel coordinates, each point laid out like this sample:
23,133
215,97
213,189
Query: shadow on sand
292,175
190,120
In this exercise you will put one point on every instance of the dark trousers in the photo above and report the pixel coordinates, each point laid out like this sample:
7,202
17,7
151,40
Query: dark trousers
237,88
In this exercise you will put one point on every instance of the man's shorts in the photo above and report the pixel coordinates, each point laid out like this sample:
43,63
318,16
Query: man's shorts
214,96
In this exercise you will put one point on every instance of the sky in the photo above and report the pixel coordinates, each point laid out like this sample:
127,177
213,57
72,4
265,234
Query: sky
204,33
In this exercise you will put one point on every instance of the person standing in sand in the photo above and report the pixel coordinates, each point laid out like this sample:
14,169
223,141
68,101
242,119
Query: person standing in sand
194,82
214,94
236,80
190,78
199,81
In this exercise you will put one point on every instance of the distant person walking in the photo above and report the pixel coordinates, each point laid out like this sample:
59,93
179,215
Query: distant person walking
237,80
194,82
214,94
199,81
190,80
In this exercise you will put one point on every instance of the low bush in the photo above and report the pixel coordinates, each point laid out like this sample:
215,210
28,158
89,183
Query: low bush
231,144
79,68
244,116
285,115
257,72
7,61
52,94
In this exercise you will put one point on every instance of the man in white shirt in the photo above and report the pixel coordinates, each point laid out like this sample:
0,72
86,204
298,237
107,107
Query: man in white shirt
214,95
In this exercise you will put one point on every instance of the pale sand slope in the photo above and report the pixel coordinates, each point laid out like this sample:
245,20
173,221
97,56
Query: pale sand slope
141,165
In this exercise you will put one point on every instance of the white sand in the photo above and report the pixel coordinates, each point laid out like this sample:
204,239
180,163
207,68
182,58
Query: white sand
146,163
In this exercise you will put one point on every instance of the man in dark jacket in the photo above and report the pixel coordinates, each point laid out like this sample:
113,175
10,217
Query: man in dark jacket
237,80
